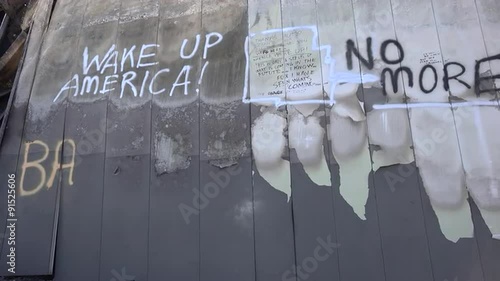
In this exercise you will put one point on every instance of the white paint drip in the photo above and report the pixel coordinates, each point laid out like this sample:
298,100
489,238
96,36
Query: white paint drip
491,218
438,158
350,148
348,136
306,137
354,175
455,223
278,177
268,145
480,147
320,174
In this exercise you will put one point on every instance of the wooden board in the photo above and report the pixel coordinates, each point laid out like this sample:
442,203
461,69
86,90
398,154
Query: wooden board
174,231
314,227
412,22
457,26
226,222
124,244
360,253
82,192
43,131
399,207
274,254
489,249
487,11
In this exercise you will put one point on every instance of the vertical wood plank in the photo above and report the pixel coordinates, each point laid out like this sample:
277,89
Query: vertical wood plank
11,143
226,222
38,188
489,249
414,22
399,207
274,254
304,63
458,25
124,241
85,127
174,233
360,253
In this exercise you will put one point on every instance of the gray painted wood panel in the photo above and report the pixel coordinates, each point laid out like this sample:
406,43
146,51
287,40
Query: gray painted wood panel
399,208
311,224
226,222
11,143
81,202
124,246
360,253
465,250
174,231
273,213
489,249
44,125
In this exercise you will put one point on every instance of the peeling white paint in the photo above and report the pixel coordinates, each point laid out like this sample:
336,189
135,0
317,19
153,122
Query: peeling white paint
440,164
480,143
455,223
268,145
390,131
306,137
350,148
479,139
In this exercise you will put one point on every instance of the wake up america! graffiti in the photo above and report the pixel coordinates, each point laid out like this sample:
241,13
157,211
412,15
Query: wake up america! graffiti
124,63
